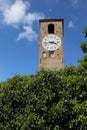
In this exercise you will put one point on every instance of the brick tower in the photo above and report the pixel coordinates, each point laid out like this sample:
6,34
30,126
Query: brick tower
51,56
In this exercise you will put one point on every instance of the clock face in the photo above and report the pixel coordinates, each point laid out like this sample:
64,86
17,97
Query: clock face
51,42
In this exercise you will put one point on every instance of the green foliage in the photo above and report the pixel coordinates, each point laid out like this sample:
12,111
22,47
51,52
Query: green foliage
83,45
46,101
85,31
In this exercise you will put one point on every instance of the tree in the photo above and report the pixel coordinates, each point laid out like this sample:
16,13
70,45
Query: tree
46,101
83,45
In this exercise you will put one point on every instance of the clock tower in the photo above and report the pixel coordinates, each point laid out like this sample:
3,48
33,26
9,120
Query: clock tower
51,55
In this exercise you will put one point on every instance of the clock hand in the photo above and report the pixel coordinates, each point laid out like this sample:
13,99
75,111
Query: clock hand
52,42
47,43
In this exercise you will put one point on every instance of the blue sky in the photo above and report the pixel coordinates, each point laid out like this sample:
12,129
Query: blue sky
19,32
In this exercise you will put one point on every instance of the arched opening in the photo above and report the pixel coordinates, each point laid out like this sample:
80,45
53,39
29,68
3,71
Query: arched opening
51,53
44,54
51,28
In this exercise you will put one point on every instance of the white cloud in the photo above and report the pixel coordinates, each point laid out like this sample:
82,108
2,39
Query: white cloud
28,33
15,12
71,24
32,17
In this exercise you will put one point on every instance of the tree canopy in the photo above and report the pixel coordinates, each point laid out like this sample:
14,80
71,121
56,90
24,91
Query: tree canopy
48,100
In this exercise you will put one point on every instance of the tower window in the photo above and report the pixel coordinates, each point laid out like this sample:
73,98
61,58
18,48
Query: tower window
44,54
51,54
51,28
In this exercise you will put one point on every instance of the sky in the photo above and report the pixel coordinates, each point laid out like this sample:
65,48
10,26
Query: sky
19,33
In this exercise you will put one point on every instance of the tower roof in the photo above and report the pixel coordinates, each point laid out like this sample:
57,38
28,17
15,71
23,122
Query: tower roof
50,20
